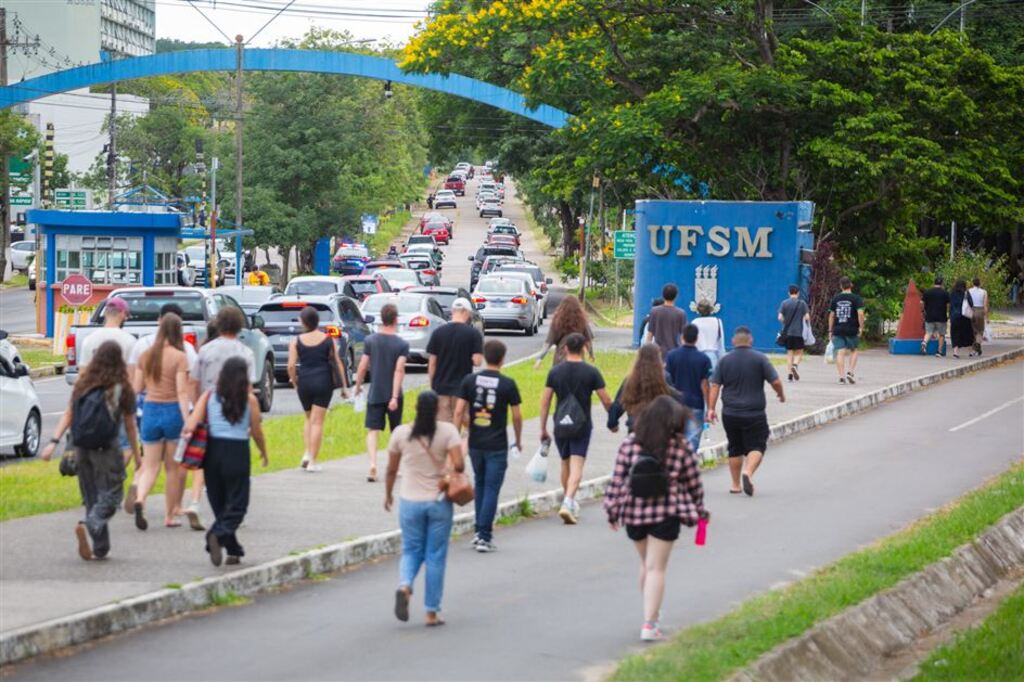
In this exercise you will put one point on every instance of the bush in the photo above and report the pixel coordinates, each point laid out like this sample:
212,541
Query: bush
993,271
568,268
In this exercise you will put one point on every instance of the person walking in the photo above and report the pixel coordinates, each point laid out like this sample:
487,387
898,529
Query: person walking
102,404
453,351
739,379
979,317
232,415
645,382
568,318
655,302
314,368
425,451
688,370
961,333
384,356
935,306
710,333
666,322
793,313
485,399
162,373
573,382
654,510
845,322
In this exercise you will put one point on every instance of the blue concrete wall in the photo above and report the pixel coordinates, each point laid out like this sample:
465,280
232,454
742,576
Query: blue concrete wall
747,254
274,59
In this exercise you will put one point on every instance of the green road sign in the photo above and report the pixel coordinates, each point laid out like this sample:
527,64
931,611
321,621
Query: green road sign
625,245
21,201
71,198
20,170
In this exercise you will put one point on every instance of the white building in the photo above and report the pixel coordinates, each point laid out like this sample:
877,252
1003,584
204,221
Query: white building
51,36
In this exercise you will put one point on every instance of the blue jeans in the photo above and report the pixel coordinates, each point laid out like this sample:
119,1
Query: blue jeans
425,530
695,428
488,474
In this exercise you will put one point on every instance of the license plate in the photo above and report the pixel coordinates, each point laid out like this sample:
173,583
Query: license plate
499,304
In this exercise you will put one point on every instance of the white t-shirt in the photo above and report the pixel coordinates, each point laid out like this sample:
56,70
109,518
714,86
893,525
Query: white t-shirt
100,336
212,357
710,334
146,342
979,297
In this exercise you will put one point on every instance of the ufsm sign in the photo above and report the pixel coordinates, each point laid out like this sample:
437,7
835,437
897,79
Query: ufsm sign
739,256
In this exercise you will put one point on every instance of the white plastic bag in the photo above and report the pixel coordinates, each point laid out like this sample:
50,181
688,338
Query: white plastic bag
537,467
830,353
514,454
359,403
808,334
987,335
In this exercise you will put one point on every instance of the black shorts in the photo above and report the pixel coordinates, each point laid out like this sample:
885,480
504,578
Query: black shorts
795,343
746,434
667,530
314,393
574,446
376,412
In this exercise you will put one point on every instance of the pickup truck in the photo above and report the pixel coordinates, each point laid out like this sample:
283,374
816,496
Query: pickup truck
456,184
199,307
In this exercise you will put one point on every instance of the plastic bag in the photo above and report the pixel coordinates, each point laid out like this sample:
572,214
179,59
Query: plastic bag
359,403
514,453
987,335
830,353
537,467
808,334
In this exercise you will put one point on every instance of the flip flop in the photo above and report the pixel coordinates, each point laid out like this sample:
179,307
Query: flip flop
84,549
140,517
172,524
748,486
735,492
402,605
435,623
214,548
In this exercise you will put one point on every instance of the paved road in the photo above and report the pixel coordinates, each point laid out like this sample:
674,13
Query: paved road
556,602
17,314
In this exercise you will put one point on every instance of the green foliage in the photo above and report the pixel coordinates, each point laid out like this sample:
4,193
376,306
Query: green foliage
993,271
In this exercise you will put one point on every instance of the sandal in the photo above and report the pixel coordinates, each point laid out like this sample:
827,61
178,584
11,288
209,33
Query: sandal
735,492
437,622
172,524
402,603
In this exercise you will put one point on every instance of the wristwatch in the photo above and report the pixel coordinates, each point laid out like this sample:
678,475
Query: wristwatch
55,441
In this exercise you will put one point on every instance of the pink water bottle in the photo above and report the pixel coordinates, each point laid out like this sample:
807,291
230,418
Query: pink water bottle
702,531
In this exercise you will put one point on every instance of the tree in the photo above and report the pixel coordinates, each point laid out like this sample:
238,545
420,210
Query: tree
17,138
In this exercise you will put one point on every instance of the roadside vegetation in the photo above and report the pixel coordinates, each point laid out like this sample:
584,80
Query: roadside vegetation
714,650
39,357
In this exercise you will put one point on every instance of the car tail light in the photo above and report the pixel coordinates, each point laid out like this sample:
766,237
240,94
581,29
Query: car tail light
544,287
333,331
294,304
429,272
190,337
72,354
479,299
419,321
520,300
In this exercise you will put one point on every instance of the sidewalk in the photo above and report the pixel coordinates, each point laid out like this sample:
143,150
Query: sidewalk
41,576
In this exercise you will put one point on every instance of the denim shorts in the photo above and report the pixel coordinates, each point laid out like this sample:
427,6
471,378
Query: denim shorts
122,437
161,421
847,342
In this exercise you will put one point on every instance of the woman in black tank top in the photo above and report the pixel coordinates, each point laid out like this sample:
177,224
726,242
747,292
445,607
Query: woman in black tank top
312,365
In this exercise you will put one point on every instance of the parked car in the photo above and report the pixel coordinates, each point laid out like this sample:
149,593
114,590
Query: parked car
485,197
438,230
401,278
250,296
197,258
506,303
367,285
21,419
541,283
487,186
490,207
485,251
318,285
340,319
445,199
32,275
186,271
445,296
21,255
424,267
198,306
350,259
455,183
419,316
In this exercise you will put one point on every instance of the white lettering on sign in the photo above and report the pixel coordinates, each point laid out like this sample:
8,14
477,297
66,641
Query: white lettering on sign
719,242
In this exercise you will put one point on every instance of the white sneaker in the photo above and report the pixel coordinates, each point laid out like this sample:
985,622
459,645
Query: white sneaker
476,541
651,632
313,468
305,460
485,547
566,513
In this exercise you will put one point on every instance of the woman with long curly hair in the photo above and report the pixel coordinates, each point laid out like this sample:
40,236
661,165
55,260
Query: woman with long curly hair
645,382
569,318
100,469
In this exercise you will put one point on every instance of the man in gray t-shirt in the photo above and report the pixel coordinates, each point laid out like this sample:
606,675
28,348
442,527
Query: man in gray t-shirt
793,312
666,322
740,377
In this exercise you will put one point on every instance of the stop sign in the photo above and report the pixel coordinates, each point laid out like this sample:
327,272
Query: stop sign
76,289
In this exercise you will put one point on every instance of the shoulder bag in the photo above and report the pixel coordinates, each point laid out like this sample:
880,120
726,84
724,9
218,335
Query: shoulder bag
967,307
455,484
780,340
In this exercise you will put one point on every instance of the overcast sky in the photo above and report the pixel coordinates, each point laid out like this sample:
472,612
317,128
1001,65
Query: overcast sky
179,19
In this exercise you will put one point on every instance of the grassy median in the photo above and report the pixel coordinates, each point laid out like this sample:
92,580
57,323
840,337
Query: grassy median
36,488
712,651
992,651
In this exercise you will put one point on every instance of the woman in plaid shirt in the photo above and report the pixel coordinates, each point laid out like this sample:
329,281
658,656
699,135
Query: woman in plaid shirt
653,523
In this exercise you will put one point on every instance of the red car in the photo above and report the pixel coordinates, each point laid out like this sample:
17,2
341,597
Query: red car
456,184
438,230
496,239
435,217
367,285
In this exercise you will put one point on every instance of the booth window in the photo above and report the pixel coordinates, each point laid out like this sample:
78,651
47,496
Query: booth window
166,252
104,260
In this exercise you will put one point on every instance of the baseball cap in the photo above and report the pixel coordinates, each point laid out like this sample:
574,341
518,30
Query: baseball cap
462,304
117,304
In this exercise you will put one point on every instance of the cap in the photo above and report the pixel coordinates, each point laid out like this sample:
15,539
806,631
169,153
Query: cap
462,304
117,304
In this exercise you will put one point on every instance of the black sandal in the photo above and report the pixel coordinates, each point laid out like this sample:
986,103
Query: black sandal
402,604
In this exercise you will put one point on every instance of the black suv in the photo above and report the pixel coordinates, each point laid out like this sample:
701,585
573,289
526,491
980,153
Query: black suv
484,252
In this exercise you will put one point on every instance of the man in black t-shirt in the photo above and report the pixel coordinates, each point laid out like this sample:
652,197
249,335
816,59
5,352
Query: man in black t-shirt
483,404
845,321
935,304
454,350
572,381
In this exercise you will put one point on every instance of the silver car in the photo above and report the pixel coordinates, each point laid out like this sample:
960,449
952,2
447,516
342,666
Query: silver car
505,302
419,316
531,286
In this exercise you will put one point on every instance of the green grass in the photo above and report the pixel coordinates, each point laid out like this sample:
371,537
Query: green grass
17,280
228,599
712,651
388,231
35,487
524,510
39,357
992,651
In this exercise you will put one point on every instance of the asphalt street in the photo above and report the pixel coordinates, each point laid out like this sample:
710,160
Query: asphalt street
17,313
558,602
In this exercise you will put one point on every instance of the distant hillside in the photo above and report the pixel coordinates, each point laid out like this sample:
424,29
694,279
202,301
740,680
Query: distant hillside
175,45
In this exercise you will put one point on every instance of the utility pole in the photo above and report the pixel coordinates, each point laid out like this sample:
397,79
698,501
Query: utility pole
952,240
239,48
863,11
111,149
585,246
211,272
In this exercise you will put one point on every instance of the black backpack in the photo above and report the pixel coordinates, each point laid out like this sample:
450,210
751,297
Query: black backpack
647,477
93,427
570,419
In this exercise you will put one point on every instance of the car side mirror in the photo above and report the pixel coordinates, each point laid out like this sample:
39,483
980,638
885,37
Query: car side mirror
258,322
21,370
548,280
368,319
470,258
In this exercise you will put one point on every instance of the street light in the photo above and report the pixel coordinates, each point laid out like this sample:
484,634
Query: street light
946,18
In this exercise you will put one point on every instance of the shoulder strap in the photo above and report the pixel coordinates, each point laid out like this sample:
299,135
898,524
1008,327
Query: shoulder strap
792,315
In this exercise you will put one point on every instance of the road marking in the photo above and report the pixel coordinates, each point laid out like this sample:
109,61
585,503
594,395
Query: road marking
986,415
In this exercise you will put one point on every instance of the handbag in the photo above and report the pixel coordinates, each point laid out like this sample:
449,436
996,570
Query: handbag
457,487
336,376
68,464
967,307
194,452
780,340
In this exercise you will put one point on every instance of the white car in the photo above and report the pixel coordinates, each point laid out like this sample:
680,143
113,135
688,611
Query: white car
445,199
21,419
401,278
32,276
490,208
22,254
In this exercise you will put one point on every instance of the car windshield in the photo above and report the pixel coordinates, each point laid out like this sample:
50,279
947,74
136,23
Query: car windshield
500,286
417,263
396,275
443,299
406,304
446,194
145,307
505,229
535,273
436,225
196,254
486,251
278,314
421,239
311,288
364,286
352,252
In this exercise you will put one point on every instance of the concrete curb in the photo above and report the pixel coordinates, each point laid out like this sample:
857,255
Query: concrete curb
855,642
45,371
148,608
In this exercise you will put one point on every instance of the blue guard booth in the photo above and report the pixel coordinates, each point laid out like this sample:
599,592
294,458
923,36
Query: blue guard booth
740,256
113,249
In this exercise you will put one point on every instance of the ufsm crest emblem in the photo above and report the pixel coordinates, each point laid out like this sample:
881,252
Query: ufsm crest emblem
705,287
